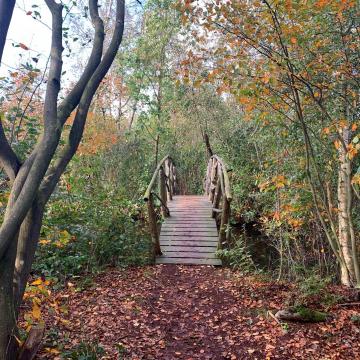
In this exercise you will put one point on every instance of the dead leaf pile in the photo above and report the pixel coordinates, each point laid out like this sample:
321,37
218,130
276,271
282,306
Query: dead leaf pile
197,312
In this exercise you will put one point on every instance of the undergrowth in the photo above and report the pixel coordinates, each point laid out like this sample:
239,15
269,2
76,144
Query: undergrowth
237,257
92,222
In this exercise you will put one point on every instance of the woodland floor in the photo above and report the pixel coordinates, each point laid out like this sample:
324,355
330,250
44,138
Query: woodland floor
197,312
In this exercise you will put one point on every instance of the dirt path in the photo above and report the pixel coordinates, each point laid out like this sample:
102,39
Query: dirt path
179,312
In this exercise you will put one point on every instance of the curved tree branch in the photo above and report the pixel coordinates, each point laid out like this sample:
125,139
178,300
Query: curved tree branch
6,11
80,118
73,98
8,158
25,187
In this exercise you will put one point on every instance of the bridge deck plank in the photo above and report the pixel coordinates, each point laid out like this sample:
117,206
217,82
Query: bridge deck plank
189,235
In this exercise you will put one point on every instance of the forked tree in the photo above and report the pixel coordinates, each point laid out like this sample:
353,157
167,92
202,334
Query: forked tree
34,179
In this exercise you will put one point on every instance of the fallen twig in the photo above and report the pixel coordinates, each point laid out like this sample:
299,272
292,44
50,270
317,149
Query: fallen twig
350,304
274,317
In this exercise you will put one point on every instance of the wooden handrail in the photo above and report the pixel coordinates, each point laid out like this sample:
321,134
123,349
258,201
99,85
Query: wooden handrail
154,177
165,172
217,188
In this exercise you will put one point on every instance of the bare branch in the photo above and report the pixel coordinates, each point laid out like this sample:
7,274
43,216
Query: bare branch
73,98
77,129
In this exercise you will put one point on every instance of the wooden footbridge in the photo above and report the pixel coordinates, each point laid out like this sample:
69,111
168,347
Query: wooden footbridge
189,229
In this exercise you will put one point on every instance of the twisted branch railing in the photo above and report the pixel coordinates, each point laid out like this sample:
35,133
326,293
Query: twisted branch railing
165,176
217,188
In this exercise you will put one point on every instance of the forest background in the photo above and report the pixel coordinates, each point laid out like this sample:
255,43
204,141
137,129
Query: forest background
273,85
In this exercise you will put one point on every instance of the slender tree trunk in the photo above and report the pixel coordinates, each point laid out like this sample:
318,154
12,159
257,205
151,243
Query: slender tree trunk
7,310
27,244
347,270
347,240
207,144
157,150
13,279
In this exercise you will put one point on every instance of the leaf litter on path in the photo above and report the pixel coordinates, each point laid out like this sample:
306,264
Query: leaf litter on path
196,312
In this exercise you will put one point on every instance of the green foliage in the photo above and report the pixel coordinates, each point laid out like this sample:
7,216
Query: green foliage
314,288
313,285
238,257
310,315
355,319
96,218
84,351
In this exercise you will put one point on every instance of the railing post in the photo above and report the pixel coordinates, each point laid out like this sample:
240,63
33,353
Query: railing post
153,227
207,179
174,179
169,172
212,180
163,192
171,181
225,217
217,197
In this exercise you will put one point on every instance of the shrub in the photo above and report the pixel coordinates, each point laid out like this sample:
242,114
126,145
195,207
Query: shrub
238,256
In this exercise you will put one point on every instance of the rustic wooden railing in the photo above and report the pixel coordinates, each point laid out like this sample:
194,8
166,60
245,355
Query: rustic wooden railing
217,188
165,176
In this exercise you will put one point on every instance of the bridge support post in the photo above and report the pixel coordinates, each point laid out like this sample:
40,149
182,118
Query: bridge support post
217,198
223,235
213,176
163,192
153,227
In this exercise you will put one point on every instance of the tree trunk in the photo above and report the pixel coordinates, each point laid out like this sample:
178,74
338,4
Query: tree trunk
27,244
13,280
349,270
210,153
7,311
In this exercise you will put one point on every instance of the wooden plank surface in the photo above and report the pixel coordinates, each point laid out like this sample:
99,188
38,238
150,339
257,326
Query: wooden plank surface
189,261
183,248
189,254
189,235
189,243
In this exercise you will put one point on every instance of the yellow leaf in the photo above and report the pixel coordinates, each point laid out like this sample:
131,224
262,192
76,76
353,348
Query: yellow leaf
44,241
36,282
65,322
197,84
52,351
36,312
